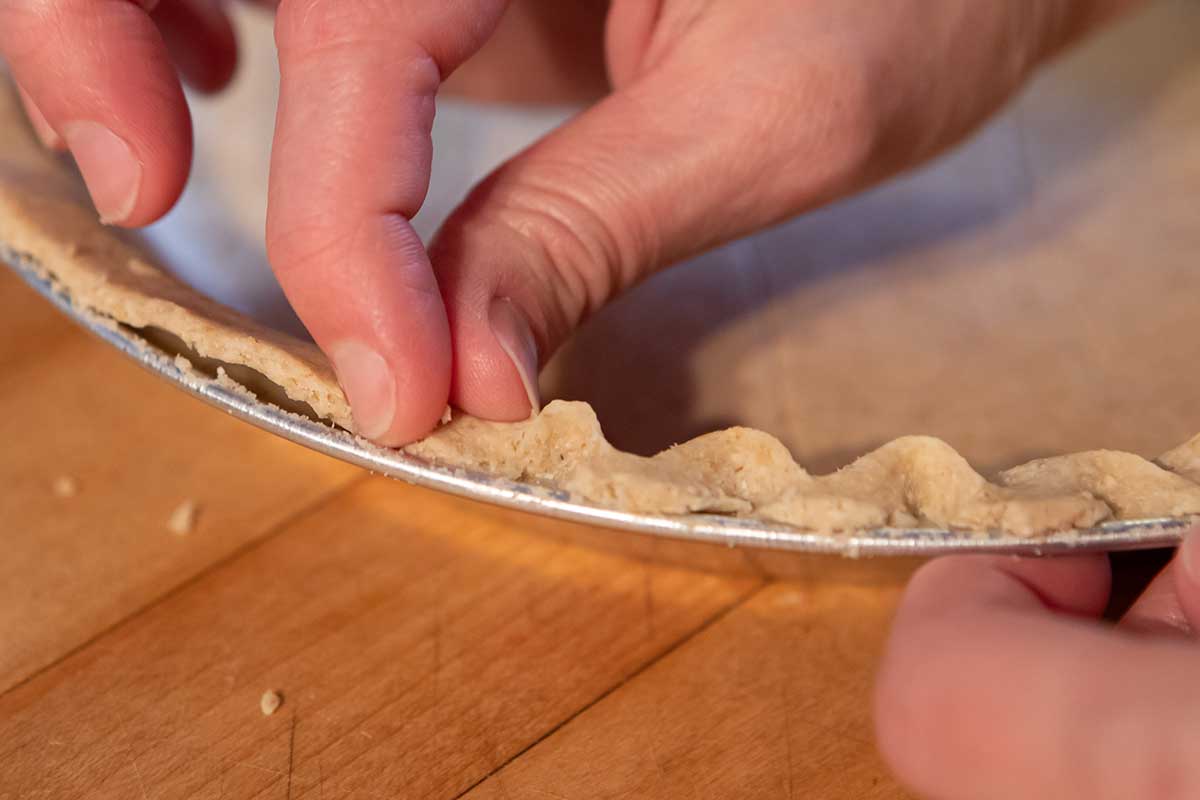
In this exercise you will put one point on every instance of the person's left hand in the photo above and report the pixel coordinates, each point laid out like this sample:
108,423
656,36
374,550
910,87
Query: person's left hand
1000,682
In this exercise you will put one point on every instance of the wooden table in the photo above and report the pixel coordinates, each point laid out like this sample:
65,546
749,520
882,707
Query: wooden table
428,647
424,646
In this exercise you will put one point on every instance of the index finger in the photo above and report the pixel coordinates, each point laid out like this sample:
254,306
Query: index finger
100,78
349,169
996,685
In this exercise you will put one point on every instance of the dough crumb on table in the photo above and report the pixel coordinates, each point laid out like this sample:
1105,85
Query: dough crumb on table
65,486
270,702
183,519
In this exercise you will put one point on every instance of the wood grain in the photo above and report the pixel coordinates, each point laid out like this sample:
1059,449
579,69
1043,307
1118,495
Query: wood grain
136,449
30,328
1042,278
419,643
772,701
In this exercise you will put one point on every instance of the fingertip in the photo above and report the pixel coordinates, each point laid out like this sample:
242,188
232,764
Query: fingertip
110,169
965,627
369,384
127,189
365,291
1077,584
1188,556
123,114
1185,568
514,335
495,362
387,409
494,290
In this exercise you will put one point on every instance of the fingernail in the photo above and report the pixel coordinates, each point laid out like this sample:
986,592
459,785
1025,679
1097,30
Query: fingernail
369,386
515,337
112,174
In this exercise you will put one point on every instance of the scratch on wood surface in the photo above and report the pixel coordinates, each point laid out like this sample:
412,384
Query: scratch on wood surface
291,756
546,793
787,735
437,649
655,752
370,793
259,767
648,591
141,782
655,756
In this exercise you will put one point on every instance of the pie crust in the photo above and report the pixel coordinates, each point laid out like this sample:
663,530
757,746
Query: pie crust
910,482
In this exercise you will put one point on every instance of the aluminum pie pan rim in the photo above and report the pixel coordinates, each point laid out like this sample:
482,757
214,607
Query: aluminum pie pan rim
1135,534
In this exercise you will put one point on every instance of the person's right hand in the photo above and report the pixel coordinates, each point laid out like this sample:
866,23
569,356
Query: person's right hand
1000,682
726,116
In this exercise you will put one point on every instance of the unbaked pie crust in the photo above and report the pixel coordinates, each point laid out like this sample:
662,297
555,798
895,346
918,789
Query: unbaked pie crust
912,481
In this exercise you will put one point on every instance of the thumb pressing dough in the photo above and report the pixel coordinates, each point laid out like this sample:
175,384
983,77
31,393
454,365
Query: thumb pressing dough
912,481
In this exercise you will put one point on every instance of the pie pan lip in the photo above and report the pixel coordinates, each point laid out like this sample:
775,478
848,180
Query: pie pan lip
1134,534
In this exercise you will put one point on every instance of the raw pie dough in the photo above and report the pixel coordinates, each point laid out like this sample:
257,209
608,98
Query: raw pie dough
912,481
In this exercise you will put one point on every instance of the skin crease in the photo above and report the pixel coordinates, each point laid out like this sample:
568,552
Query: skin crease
998,681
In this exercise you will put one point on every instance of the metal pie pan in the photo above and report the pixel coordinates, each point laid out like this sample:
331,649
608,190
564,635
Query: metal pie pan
709,528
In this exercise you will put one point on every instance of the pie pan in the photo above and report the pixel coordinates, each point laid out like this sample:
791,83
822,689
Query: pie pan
968,223
710,528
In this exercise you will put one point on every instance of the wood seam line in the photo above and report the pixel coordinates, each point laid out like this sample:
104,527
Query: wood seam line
717,617
275,530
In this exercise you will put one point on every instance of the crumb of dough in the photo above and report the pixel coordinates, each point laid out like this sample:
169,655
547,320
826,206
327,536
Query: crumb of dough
183,519
447,415
270,702
65,486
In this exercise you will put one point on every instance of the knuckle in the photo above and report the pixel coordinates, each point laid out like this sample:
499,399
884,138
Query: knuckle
292,248
301,23
354,31
846,130
822,126
300,249
590,246
305,25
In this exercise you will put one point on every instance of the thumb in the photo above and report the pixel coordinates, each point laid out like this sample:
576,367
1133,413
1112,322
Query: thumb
624,188
1171,602
727,118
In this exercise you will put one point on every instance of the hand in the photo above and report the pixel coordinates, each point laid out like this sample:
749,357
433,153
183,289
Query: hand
725,117
999,682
